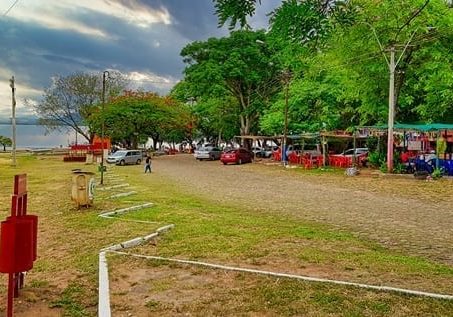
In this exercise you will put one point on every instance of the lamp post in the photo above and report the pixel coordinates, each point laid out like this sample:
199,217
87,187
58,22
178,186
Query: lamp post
105,75
13,119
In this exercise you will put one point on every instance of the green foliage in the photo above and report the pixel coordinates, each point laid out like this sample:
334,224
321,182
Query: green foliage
376,159
335,51
314,20
238,66
437,173
71,301
236,11
383,167
70,101
133,117
5,141
399,168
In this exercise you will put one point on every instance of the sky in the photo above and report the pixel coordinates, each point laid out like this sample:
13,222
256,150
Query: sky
40,39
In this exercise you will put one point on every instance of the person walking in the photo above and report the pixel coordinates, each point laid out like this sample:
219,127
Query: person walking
148,164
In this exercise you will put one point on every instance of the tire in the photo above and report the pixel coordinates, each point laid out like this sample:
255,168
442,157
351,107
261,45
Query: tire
139,161
122,163
224,163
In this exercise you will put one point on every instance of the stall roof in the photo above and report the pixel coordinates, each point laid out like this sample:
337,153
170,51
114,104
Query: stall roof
416,127
293,136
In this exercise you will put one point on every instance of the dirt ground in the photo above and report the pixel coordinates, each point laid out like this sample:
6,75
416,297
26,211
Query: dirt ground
409,215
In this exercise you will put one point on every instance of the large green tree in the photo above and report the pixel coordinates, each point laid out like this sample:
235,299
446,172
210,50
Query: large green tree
239,66
423,84
134,117
70,100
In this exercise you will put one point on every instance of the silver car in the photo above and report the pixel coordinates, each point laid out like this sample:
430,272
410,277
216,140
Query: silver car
124,157
208,153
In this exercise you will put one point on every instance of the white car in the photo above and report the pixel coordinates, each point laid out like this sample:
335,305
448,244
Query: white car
125,157
360,151
207,153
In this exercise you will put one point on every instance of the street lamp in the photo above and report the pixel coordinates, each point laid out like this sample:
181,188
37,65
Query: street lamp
105,75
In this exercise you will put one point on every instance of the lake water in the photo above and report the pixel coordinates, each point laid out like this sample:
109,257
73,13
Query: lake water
34,136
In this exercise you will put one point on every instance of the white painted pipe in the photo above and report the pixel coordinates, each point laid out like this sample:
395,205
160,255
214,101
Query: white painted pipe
292,276
124,210
113,187
123,194
104,292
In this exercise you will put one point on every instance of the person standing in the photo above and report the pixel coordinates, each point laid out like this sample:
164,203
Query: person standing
148,164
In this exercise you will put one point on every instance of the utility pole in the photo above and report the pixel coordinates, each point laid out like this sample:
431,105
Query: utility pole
105,75
392,67
286,79
13,119
391,117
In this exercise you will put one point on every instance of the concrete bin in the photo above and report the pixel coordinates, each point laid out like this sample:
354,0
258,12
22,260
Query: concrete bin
83,185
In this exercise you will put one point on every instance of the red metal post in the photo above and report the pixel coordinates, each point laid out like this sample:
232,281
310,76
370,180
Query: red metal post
9,312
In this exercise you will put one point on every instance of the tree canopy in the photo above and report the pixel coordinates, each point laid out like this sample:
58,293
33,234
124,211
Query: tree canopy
241,66
70,100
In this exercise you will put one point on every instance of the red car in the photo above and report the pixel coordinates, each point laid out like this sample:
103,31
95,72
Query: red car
237,156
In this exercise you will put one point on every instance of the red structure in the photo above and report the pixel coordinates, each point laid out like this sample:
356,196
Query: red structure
78,152
18,241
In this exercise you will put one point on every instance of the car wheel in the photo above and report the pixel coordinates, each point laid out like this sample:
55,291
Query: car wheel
139,161
224,163
122,163
211,157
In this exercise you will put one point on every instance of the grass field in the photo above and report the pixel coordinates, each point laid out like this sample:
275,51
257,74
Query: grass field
64,279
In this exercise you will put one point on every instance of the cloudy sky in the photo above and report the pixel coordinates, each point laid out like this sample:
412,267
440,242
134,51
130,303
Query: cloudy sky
140,38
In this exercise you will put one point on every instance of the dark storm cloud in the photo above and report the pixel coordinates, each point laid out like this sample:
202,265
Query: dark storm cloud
34,53
194,19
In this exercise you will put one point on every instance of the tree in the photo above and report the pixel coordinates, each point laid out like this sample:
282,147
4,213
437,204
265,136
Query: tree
214,116
70,101
5,141
134,116
238,66
423,84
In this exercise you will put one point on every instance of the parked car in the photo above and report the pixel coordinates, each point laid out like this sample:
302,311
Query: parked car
207,153
123,157
237,156
360,151
262,152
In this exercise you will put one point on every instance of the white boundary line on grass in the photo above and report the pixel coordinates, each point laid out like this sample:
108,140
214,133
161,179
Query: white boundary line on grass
291,276
104,309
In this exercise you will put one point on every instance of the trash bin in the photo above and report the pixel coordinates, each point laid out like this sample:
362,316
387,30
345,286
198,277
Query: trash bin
83,184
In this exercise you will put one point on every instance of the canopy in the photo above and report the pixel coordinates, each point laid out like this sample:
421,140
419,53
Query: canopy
416,127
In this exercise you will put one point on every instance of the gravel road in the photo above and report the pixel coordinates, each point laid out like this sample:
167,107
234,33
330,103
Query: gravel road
367,206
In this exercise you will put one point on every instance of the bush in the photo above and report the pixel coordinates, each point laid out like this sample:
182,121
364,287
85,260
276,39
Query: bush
376,159
437,173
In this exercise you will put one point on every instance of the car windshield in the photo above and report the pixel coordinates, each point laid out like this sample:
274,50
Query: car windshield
208,148
119,153
231,151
